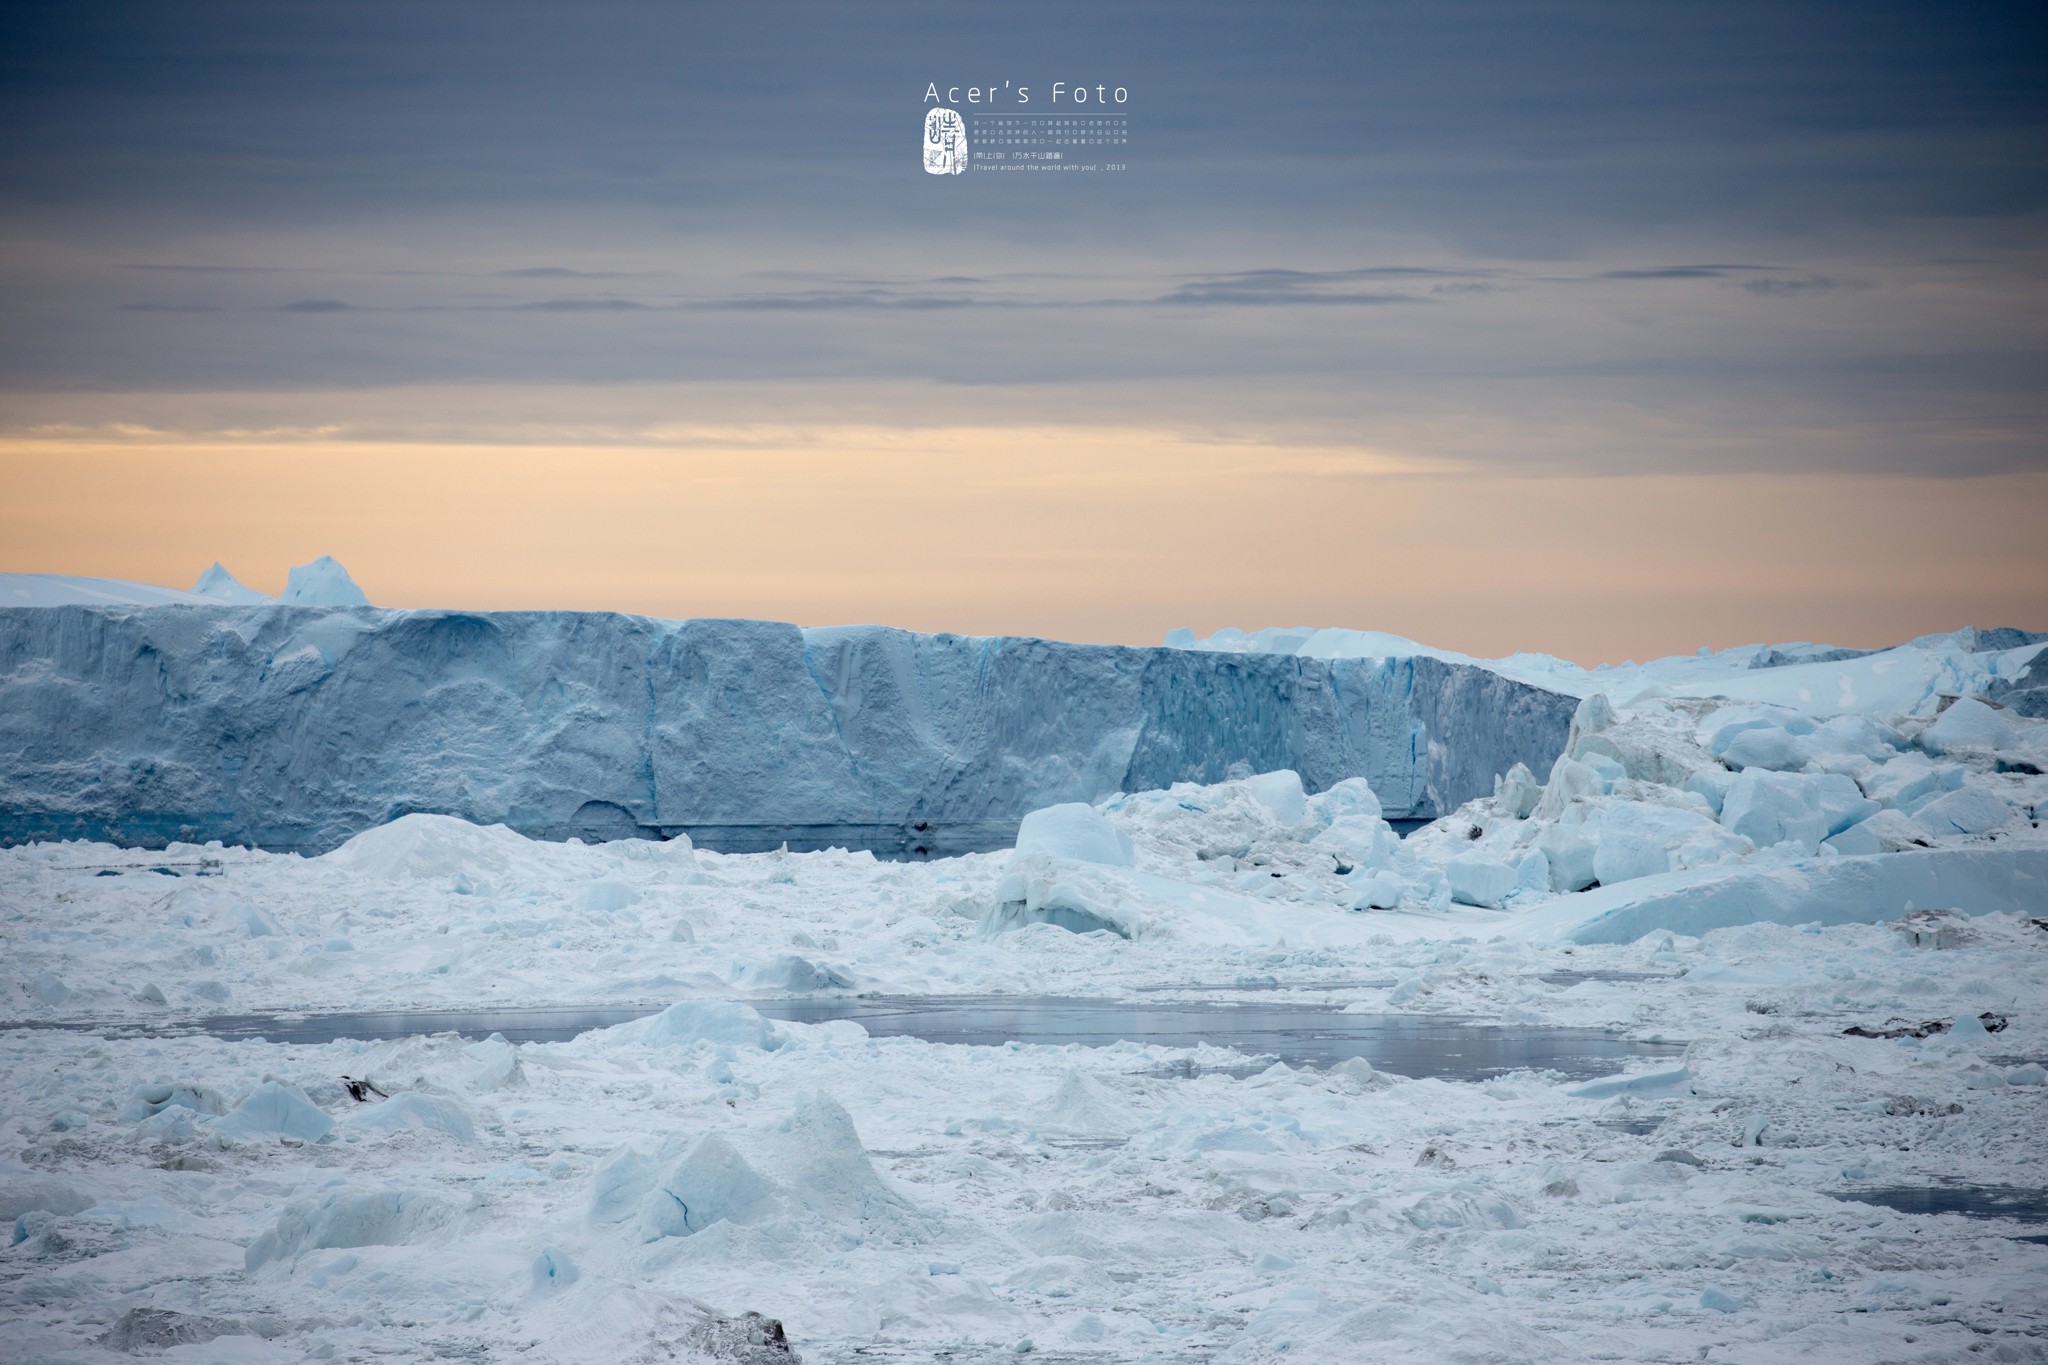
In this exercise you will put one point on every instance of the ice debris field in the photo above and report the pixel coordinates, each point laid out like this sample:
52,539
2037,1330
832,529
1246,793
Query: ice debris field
1821,877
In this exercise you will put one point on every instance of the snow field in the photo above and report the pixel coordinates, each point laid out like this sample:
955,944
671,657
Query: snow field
1768,877
904,1198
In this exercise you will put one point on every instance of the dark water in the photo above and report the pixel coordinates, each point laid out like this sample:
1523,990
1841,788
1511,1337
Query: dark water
2022,1204
1274,983
1300,1035
1568,977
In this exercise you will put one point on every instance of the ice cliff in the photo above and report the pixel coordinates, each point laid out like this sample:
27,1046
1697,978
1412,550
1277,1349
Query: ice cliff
293,728
1912,679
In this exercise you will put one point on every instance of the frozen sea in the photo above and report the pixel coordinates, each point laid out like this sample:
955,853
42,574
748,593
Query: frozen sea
1059,1102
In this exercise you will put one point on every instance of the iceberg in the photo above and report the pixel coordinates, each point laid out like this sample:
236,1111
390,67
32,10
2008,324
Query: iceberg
294,728
222,586
323,583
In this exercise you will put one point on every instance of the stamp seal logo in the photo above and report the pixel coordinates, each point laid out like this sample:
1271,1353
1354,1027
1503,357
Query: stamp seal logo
945,142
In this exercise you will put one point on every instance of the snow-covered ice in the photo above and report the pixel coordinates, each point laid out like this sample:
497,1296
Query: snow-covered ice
1746,874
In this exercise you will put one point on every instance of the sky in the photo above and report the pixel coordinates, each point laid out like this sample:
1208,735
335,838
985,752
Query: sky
1607,330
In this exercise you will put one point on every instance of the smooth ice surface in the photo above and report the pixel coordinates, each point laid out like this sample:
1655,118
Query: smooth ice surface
296,728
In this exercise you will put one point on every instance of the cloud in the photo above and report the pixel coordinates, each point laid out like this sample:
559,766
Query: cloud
558,272
1223,295
185,269
1771,287
1279,287
568,306
1684,272
743,179
836,300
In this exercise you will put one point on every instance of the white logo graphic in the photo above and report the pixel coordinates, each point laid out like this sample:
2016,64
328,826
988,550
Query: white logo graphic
945,142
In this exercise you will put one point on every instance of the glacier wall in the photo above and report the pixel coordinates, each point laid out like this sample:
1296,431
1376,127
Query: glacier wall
293,728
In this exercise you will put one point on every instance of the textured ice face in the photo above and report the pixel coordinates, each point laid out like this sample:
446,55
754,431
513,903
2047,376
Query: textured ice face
297,728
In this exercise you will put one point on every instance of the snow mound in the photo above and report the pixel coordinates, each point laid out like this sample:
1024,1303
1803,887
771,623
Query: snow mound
275,1110
712,1183
323,583
689,1022
346,1218
826,1167
807,1174
1083,1104
429,848
416,1113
